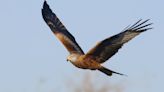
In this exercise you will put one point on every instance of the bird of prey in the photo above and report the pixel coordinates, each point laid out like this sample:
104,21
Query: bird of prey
100,53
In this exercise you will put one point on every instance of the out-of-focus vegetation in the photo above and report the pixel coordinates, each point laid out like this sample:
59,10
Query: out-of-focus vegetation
88,84
83,83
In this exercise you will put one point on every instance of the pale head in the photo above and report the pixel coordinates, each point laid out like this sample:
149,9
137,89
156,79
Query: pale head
72,57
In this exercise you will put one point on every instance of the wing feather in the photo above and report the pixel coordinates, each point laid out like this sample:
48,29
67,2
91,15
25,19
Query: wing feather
110,46
59,30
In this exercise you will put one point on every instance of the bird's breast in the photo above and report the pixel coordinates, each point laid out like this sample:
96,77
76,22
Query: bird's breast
86,63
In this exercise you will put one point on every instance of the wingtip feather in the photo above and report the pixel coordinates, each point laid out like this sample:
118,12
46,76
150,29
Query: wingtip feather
46,12
46,7
140,26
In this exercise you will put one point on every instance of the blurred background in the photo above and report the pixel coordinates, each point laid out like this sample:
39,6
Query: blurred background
33,60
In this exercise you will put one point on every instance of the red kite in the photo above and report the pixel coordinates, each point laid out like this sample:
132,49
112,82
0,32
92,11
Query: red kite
101,52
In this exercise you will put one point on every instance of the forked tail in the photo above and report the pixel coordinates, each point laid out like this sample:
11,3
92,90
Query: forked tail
108,72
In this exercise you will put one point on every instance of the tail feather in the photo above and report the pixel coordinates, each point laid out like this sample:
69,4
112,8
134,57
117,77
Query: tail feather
108,72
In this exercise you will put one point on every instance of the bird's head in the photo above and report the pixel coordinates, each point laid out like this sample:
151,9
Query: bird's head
72,57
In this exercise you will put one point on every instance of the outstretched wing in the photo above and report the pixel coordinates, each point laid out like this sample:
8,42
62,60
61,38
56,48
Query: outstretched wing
110,46
59,30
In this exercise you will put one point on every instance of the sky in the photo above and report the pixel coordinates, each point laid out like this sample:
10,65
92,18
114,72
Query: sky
33,60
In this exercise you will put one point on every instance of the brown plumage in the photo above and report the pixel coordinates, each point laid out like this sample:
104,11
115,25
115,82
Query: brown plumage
101,52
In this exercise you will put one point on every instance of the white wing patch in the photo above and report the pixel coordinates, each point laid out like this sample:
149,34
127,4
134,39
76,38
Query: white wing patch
128,36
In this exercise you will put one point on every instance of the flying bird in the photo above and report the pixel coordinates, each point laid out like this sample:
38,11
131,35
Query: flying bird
100,53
